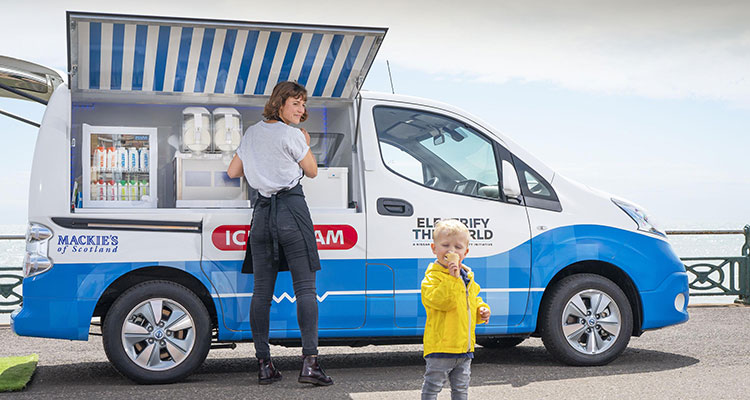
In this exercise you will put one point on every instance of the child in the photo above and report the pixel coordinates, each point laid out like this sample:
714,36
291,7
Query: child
450,296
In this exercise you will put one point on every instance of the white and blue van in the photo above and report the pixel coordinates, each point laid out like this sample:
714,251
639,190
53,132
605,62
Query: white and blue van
149,253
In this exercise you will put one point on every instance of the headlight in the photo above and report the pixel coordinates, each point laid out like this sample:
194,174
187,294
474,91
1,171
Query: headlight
640,217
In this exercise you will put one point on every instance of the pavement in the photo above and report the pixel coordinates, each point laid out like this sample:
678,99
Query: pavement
703,358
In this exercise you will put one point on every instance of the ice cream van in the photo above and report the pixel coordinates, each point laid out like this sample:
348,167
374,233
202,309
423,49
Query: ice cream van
137,233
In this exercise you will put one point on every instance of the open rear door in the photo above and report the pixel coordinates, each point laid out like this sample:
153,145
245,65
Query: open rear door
25,80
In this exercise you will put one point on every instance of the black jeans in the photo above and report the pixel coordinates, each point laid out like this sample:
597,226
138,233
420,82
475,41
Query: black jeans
293,245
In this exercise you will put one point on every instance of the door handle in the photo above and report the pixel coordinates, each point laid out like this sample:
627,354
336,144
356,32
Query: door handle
395,207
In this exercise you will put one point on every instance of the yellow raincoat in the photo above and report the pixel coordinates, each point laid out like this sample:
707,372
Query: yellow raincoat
452,311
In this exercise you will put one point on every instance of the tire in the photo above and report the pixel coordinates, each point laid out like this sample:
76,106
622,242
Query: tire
587,320
132,334
500,343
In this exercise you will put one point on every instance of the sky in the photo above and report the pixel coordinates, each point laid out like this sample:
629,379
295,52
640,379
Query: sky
648,100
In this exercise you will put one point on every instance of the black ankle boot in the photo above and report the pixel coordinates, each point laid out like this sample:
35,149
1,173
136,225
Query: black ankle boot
267,373
312,373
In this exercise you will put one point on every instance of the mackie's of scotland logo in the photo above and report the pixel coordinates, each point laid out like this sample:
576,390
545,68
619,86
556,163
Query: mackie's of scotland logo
87,244
328,237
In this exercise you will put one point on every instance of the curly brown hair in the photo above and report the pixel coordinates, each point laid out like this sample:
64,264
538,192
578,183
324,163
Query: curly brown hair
281,92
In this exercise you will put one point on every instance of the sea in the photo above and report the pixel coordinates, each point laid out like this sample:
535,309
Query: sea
11,255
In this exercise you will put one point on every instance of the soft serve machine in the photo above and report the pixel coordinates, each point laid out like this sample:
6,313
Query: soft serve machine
208,143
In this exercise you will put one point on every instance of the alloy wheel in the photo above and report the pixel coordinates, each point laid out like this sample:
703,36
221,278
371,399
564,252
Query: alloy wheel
158,334
591,322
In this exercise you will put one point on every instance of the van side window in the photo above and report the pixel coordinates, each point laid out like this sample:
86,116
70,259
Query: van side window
402,162
537,192
437,152
534,185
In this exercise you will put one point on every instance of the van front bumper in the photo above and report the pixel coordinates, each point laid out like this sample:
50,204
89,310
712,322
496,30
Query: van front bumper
667,305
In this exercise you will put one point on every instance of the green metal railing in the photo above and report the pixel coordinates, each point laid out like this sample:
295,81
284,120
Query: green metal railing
709,276
10,282
720,276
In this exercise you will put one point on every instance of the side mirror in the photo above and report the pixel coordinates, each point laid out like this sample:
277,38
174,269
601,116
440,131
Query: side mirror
27,81
511,187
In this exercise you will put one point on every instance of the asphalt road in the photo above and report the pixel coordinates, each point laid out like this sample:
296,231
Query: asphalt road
704,358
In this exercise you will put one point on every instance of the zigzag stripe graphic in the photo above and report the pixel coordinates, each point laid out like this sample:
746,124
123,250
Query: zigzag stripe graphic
292,299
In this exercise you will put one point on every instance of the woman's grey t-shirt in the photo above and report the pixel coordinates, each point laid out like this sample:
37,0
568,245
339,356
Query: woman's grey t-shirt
270,155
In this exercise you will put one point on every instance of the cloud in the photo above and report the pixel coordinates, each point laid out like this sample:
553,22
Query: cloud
670,49
667,49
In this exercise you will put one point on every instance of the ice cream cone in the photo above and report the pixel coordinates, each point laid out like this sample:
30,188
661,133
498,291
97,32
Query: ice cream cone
451,258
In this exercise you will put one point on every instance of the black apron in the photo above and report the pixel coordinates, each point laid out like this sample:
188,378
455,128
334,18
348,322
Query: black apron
294,200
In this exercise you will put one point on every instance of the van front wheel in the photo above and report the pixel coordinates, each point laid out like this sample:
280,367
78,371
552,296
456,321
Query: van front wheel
587,320
157,332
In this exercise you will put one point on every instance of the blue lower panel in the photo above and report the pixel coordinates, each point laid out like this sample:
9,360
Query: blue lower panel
646,259
340,289
54,318
507,308
497,274
659,305
656,271
60,302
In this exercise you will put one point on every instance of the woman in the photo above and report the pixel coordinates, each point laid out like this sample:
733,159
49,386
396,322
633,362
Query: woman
273,156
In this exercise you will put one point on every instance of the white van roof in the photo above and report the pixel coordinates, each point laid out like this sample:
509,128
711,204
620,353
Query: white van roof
177,56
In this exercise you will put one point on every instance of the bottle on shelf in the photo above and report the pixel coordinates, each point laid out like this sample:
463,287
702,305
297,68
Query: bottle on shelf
133,159
133,190
143,159
122,159
94,190
122,191
142,189
100,159
101,190
111,159
111,191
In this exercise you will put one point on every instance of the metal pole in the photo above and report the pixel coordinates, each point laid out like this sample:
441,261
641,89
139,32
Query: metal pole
12,237
16,117
707,232
389,76
23,94
744,297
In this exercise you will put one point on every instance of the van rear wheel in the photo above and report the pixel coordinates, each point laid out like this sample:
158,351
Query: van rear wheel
157,332
587,320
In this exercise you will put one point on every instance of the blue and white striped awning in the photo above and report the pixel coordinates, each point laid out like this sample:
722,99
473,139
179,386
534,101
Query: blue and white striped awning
164,55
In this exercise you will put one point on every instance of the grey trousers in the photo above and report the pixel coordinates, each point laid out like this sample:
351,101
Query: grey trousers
264,280
457,370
